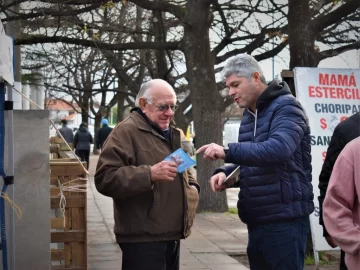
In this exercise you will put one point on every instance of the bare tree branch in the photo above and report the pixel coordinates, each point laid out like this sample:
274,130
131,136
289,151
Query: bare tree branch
163,6
99,89
38,39
324,21
51,12
339,50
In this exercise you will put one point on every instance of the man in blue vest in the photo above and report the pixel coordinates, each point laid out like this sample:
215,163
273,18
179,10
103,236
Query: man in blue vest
273,152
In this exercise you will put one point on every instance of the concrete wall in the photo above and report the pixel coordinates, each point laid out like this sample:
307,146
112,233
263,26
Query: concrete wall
32,174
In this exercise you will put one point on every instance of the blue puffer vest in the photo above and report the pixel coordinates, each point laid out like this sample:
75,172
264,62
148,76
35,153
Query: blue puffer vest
273,152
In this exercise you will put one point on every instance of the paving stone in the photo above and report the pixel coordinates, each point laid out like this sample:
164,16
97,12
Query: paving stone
116,264
214,259
104,246
228,267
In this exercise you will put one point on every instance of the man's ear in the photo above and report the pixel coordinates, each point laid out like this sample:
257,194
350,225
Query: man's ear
142,103
256,76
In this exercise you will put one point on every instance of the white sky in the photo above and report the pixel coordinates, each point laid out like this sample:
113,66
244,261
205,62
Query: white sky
350,59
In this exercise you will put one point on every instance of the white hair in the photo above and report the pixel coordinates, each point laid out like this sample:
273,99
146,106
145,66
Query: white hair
242,65
144,93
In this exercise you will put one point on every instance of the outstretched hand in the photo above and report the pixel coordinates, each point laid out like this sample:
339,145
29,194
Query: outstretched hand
212,151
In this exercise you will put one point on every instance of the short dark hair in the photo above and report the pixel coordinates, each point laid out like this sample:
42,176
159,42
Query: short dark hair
83,124
64,122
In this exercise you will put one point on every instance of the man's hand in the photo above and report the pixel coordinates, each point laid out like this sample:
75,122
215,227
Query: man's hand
163,171
217,182
330,241
212,151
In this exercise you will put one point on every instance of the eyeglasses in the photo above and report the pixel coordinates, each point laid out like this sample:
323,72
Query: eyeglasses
165,107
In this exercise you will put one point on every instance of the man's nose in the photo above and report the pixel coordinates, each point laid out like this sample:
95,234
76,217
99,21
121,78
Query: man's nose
169,112
231,91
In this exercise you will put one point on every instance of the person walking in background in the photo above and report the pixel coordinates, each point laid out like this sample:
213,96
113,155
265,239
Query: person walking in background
66,132
188,148
344,132
82,142
186,145
103,133
273,153
341,207
154,205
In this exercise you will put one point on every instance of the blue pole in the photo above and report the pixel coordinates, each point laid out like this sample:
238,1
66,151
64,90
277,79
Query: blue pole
3,175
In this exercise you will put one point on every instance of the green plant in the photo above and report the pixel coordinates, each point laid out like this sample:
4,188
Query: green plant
309,260
323,259
232,211
31,78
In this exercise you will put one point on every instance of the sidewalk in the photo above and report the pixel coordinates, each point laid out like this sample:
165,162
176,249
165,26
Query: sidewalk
214,236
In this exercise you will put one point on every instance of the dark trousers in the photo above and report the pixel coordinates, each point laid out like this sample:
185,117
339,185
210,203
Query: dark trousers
84,155
278,246
342,261
151,256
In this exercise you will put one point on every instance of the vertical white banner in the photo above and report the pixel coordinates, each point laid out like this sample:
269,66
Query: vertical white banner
6,56
328,97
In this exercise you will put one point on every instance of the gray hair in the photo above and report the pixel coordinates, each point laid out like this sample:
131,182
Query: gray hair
242,65
144,93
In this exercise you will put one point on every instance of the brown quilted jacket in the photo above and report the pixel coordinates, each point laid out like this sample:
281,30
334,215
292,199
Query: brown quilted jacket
142,212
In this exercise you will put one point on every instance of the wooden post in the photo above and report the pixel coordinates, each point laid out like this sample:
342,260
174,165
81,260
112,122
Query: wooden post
288,77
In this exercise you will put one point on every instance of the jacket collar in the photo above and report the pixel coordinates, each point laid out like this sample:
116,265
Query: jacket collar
144,123
274,90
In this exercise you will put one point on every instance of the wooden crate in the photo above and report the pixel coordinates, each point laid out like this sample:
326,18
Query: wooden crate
56,140
60,153
60,143
64,147
70,232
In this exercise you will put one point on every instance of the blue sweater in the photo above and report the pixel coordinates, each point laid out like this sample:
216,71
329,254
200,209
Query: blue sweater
273,152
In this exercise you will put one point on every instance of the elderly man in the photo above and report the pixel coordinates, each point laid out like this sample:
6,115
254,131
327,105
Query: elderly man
273,153
154,205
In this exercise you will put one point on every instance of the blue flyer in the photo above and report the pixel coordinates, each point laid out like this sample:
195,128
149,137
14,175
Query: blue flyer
183,160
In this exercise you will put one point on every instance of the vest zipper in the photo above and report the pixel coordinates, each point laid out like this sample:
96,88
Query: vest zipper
255,116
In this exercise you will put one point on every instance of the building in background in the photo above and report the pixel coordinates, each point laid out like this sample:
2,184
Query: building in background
59,110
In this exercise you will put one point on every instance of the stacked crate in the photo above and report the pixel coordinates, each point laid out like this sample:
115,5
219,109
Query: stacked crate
68,221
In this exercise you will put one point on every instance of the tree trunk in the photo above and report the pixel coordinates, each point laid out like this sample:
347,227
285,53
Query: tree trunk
97,124
84,105
84,116
161,63
181,121
302,52
301,36
120,108
201,78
